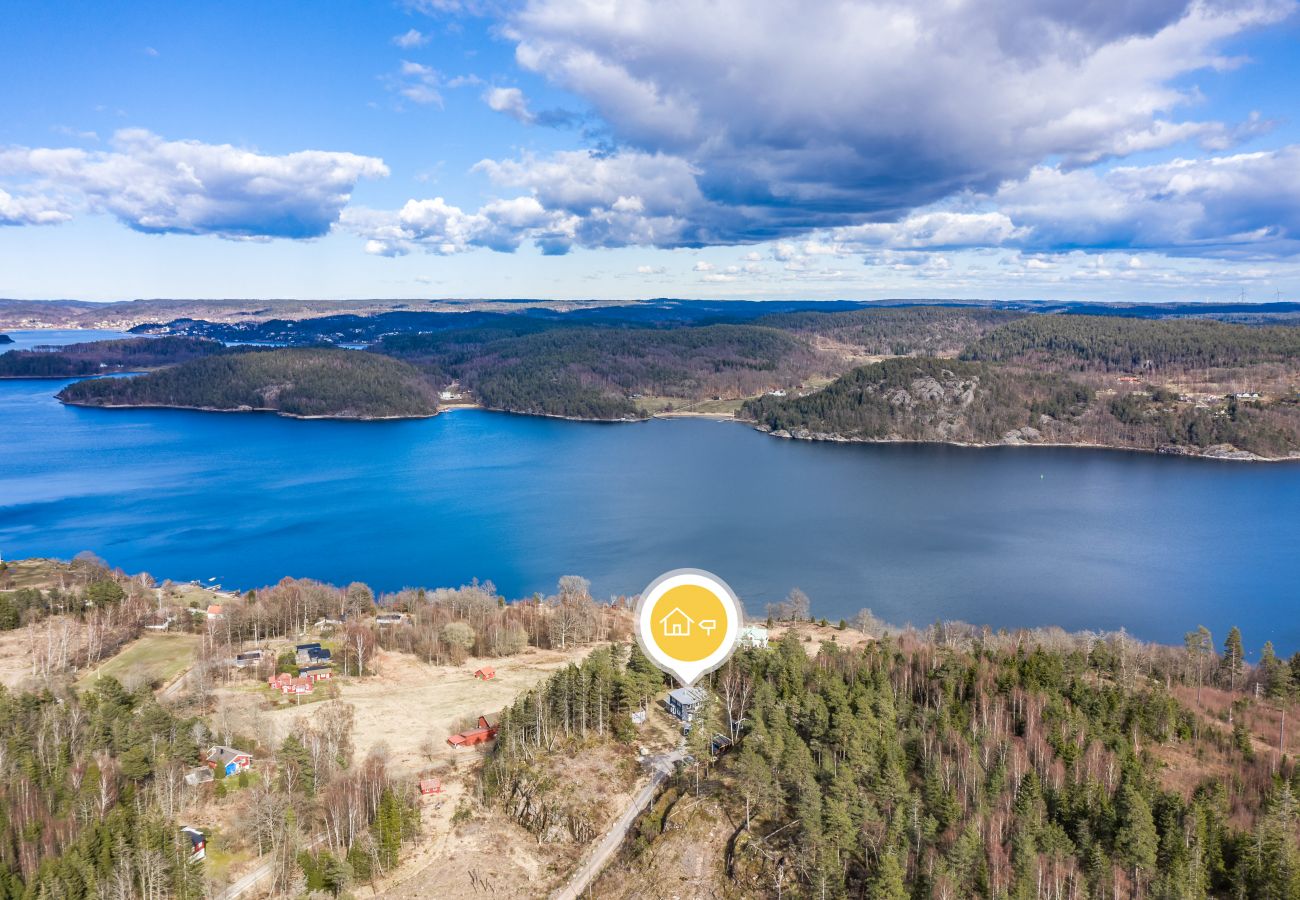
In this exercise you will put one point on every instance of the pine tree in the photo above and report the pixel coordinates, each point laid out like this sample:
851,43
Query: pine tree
1136,840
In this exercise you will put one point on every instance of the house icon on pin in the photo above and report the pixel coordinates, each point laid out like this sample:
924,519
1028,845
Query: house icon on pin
677,623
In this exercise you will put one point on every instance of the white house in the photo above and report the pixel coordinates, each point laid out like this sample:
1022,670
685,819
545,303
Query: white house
753,636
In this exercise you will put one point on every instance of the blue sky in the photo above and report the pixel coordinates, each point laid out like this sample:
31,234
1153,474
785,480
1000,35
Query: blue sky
629,148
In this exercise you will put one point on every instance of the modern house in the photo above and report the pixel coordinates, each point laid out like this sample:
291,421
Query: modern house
480,735
753,636
319,655
229,760
683,702
248,658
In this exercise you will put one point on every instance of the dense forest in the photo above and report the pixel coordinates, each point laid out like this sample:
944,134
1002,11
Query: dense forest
953,763
596,372
1135,345
99,357
897,331
920,398
295,381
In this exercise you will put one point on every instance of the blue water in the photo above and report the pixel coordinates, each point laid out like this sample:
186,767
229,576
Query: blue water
1008,536
58,337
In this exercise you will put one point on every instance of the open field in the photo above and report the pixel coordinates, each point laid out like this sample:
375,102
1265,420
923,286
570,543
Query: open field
152,659
411,707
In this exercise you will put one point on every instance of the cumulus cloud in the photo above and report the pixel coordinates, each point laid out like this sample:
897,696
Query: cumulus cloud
818,117
418,83
510,101
187,187
1243,205
30,210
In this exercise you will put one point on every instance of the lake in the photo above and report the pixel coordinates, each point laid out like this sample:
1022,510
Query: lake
1008,536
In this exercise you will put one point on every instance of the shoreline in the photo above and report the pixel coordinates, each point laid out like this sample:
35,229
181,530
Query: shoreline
971,445
714,417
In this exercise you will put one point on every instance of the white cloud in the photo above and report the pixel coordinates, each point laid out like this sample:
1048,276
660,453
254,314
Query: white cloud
188,187
1230,206
411,39
30,210
510,101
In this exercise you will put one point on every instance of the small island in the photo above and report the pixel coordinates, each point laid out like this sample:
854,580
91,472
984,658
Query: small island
6,339
106,357
307,382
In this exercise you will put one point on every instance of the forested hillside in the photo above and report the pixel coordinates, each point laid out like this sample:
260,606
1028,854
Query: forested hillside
597,372
920,398
100,357
1109,343
897,331
297,382
960,764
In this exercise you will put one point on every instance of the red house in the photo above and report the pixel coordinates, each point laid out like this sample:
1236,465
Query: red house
430,785
480,735
485,673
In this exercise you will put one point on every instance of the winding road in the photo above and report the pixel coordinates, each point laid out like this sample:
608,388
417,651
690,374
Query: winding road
661,767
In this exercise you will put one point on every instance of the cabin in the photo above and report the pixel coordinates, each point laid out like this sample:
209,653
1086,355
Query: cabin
683,702
316,673
480,735
198,843
754,637
485,673
215,611
719,744
229,760
430,786
390,618
248,658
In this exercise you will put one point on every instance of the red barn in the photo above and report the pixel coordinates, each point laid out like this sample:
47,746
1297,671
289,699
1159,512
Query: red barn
485,673
480,735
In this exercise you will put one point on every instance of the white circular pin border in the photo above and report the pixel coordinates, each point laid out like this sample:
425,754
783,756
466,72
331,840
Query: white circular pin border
688,672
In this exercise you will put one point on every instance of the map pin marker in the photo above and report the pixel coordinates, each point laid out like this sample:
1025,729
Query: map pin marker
687,622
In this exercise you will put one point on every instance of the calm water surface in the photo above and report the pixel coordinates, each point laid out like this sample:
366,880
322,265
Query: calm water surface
1008,536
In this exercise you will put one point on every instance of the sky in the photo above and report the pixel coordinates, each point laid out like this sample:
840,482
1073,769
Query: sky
624,149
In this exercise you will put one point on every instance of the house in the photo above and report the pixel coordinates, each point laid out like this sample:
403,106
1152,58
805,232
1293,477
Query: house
319,655
719,744
676,623
754,636
480,735
638,717
198,843
430,786
198,776
248,658
485,673
215,612
390,618
683,702
316,673
230,760
302,652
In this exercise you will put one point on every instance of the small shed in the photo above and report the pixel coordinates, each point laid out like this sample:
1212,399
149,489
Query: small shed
485,673
430,786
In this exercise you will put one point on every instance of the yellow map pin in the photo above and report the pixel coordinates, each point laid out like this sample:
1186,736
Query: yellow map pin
687,622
